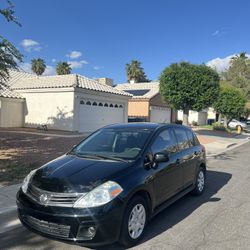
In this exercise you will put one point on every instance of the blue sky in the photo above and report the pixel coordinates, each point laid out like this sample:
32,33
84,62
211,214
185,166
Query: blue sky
105,35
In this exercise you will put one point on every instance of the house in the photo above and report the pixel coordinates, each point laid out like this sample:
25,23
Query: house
200,118
147,103
69,102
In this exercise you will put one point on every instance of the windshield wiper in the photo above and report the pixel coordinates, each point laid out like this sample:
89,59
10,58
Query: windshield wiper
106,157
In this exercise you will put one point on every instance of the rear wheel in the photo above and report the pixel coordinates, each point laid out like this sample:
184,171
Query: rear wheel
200,182
135,220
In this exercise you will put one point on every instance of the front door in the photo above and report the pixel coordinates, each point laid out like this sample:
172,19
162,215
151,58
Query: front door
167,175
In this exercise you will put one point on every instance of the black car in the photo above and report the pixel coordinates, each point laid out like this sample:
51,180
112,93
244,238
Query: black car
107,188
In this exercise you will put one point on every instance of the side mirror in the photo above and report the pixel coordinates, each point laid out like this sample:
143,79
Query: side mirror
160,157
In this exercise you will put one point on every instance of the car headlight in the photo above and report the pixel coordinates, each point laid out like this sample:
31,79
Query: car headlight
27,180
99,196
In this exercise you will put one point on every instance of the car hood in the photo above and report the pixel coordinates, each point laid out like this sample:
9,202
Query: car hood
70,173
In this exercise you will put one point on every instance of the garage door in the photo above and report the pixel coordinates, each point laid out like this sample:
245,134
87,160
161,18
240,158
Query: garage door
160,114
94,115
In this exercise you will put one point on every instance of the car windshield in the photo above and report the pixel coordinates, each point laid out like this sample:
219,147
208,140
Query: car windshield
114,144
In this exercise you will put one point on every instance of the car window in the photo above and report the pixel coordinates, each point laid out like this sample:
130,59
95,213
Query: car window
122,143
191,139
164,142
182,138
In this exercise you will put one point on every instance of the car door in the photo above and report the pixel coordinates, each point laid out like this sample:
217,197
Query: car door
167,175
187,155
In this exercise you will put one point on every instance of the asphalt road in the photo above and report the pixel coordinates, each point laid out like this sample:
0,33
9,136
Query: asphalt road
220,219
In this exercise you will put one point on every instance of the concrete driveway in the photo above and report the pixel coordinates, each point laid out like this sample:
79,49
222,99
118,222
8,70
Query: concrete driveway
220,219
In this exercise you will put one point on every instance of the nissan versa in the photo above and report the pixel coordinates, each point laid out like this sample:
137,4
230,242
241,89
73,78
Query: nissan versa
107,188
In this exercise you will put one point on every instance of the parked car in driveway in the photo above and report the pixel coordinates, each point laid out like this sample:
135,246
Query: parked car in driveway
107,188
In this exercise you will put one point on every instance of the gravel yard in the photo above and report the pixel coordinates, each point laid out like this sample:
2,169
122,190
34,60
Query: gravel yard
22,152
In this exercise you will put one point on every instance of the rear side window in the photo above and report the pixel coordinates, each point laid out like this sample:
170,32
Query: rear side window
190,136
164,142
182,138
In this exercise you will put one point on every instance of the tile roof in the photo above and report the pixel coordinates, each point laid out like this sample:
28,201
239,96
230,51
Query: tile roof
62,81
145,90
17,75
8,93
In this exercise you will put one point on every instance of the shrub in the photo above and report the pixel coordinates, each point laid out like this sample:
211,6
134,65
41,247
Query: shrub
218,126
178,122
194,123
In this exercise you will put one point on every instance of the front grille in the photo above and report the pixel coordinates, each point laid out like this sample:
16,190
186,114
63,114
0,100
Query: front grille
51,198
48,227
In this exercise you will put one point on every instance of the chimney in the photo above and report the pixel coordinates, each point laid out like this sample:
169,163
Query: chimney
132,81
105,80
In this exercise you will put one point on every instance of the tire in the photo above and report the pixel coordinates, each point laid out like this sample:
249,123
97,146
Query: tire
200,182
130,236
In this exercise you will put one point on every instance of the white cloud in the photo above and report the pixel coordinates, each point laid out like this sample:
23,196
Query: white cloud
50,70
26,67
216,33
97,67
53,60
77,64
30,45
74,54
221,64
219,32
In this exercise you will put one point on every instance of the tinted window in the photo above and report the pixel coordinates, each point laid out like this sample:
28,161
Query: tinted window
182,138
165,142
196,140
190,136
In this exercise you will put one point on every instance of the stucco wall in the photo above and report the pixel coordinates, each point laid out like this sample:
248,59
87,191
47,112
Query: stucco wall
199,117
49,106
11,112
137,108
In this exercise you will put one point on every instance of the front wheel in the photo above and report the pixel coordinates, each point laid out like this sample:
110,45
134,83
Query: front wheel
200,182
135,220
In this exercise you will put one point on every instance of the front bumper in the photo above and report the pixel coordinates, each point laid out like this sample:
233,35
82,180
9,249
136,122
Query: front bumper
72,224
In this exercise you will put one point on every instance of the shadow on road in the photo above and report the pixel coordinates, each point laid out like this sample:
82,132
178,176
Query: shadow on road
183,207
171,216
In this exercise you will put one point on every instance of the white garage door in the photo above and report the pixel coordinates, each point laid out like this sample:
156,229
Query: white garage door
160,114
94,115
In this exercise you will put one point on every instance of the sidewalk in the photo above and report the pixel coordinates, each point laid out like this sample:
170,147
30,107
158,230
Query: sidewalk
217,142
8,213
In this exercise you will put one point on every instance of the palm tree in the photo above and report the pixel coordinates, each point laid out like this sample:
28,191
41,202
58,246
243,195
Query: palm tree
135,72
63,68
38,66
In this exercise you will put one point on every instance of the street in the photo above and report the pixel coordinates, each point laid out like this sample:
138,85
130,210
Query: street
219,219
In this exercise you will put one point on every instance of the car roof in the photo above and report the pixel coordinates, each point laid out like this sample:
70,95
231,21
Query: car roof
143,125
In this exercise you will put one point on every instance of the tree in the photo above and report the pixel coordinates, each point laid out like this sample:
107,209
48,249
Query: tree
238,74
188,86
38,66
231,103
135,72
63,68
9,55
